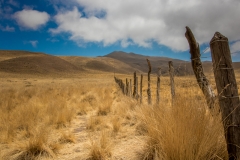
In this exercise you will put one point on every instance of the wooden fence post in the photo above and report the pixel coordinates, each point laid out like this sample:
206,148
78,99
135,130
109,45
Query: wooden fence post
149,84
158,85
171,73
227,92
130,88
134,85
126,90
198,69
136,96
141,88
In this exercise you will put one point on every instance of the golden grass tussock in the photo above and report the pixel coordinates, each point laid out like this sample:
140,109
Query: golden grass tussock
183,131
34,147
101,148
94,123
116,124
24,110
67,138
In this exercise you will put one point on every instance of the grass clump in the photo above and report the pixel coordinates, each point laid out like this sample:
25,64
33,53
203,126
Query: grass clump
183,131
94,123
101,149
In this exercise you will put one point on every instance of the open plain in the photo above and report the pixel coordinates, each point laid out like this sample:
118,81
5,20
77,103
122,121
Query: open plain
71,108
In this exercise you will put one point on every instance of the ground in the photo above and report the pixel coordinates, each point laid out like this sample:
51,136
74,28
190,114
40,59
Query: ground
86,116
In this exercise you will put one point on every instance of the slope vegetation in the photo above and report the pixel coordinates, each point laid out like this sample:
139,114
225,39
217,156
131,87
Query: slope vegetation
34,63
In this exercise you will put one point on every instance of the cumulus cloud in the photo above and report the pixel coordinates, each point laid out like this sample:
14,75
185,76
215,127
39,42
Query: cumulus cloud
31,19
7,28
140,22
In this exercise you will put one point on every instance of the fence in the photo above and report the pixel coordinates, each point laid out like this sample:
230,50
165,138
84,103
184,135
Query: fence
225,82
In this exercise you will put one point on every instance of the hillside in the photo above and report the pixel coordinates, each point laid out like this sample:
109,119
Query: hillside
96,64
139,62
181,67
22,62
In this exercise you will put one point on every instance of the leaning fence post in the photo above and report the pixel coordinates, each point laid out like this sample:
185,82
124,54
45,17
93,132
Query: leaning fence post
134,85
149,84
158,85
227,92
171,73
141,88
198,69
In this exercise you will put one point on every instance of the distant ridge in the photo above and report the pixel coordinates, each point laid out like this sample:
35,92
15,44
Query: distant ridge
24,62
139,62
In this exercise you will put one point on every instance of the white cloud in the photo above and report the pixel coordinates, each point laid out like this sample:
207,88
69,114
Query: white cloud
33,43
235,47
7,28
31,19
140,22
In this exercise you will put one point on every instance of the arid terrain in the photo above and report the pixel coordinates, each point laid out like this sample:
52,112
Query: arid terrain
71,108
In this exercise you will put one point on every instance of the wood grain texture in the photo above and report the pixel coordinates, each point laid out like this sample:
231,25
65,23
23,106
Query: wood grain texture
198,69
227,92
149,82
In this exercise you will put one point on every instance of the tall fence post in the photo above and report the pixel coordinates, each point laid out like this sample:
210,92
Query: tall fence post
227,92
134,85
198,69
136,96
130,88
126,90
141,88
158,86
171,73
149,83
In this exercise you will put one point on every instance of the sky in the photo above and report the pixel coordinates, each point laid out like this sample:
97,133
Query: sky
99,27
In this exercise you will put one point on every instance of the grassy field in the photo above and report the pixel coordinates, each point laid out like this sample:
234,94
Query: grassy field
87,117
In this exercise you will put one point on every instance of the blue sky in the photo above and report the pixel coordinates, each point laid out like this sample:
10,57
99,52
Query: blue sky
98,27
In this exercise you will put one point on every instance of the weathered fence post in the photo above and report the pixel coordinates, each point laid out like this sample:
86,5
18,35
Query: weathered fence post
136,96
227,92
198,69
171,73
130,88
135,85
158,85
149,84
141,88
126,87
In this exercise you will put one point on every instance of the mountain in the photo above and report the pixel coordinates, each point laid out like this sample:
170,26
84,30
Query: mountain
23,62
139,63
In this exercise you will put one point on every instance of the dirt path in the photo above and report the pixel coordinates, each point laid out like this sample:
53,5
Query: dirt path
127,145
72,151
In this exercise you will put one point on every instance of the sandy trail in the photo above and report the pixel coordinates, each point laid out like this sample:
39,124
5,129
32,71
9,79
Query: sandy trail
127,145
76,150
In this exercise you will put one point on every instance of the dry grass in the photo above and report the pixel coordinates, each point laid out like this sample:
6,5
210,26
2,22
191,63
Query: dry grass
116,124
183,131
101,148
33,116
37,121
94,123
